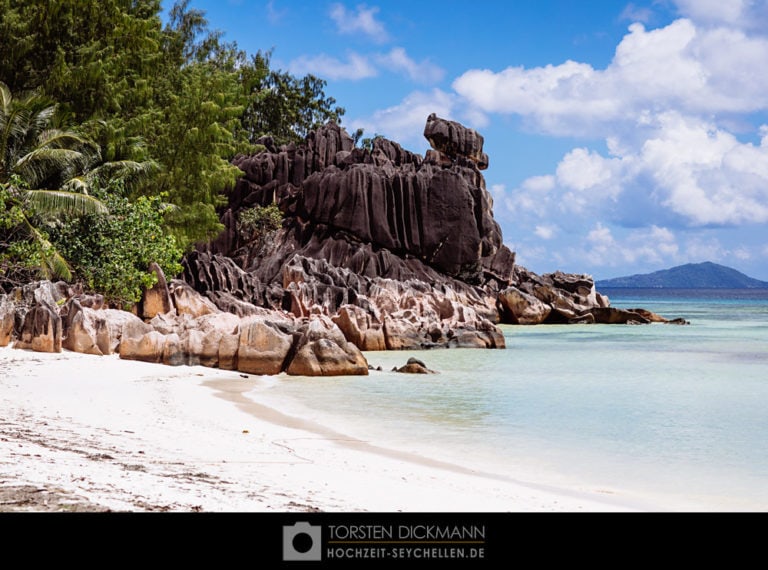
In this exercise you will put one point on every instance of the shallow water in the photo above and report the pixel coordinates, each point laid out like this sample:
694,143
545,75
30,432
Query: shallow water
661,410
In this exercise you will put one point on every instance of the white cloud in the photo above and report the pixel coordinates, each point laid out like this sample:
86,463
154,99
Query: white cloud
405,122
713,11
546,232
361,21
686,172
701,70
533,198
654,245
705,174
359,66
636,13
356,67
421,72
700,249
742,253
539,184
498,191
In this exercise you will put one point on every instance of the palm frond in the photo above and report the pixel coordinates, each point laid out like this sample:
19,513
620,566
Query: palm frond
52,263
5,97
78,185
59,201
38,165
57,138
56,265
129,170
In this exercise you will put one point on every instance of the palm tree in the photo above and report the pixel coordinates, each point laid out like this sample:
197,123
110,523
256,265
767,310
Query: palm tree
47,172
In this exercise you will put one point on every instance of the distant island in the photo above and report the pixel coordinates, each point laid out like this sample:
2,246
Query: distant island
705,275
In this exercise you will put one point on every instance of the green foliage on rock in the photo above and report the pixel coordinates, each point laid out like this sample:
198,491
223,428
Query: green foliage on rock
254,223
110,253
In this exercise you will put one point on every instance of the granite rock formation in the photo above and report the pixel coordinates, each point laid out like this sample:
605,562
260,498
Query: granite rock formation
48,317
379,249
401,251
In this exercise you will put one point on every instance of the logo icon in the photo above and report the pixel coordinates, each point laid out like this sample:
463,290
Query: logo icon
301,541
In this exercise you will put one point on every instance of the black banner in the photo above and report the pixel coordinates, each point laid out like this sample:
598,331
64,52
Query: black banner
359,540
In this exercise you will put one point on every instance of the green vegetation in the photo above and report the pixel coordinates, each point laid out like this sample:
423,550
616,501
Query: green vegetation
40,168
258,223
111,251
104,107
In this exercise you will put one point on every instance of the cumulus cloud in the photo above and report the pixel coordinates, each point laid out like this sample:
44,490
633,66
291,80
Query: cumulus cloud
675,109
421,72
360,21
686,171
664,106
747,14
704,70
356,67
405,122
654,245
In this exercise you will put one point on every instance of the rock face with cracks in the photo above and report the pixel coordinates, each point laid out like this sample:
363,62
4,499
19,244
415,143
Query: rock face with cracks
379,249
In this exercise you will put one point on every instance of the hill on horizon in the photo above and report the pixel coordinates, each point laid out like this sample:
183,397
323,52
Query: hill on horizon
705,275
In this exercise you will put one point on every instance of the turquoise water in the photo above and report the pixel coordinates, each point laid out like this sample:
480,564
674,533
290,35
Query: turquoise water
677,411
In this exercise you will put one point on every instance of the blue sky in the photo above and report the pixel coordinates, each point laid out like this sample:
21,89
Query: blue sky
623,137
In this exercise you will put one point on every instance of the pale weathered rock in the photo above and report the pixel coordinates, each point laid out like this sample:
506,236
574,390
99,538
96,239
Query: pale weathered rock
81,325
400,333
324,351
156,300
205,335
360,328
42,330
110,333
229,345
523,309
7,319
173,353
187,301
149,347
263,346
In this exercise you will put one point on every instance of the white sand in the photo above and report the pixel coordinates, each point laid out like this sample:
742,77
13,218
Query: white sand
132,436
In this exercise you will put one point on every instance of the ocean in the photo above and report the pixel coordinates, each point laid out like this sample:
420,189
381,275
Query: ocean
644,410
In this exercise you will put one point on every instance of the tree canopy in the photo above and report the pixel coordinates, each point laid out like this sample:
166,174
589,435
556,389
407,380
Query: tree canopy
160,102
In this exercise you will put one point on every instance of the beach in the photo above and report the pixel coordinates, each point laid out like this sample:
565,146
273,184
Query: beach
91,433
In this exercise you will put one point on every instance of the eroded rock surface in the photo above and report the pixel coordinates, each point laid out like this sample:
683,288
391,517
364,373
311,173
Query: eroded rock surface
379,249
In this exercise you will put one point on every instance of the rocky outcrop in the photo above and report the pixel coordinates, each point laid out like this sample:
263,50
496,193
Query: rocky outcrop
84,330
414,366
379,249
374,229
42,317
521,308
455,141
155,300
559,298
323,350
400,251
263,346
